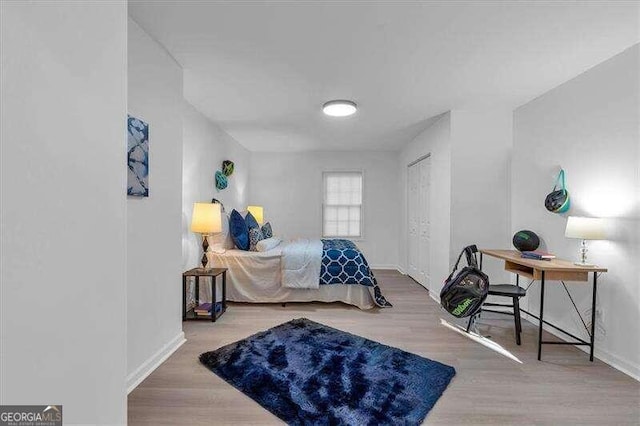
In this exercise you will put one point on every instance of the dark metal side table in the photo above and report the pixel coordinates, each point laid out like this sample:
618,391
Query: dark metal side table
213,273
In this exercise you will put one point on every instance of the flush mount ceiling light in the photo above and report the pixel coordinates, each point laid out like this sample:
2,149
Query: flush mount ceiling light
339,108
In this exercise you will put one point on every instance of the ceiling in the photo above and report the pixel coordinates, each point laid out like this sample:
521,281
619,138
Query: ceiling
262,70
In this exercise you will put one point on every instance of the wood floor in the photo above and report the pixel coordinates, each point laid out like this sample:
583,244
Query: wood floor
489,388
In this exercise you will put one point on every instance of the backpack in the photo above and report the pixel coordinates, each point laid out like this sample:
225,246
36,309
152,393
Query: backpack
464,293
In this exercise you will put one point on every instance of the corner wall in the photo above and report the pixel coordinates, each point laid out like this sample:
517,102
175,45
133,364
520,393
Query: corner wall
589,126
63,218
154,325
436,141
470,152
481,144
205,147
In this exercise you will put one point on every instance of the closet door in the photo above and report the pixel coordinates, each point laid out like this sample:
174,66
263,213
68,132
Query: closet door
424,228
418,222
413,220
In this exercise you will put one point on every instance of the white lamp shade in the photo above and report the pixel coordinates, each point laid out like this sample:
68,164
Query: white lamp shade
206,218
258,213
586,228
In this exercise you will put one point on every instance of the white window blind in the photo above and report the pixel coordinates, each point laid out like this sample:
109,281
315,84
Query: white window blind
342,207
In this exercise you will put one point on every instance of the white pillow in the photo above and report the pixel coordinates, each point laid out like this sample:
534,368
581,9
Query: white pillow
268,244
223,240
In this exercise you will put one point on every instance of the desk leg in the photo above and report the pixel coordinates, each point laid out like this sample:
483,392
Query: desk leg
541,315
593,316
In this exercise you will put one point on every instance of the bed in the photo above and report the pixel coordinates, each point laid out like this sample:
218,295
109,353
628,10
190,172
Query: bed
301,271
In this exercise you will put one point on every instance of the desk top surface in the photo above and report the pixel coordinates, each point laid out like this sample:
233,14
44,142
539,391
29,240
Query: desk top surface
541,265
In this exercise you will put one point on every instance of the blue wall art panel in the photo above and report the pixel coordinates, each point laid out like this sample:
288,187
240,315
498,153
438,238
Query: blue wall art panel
137,157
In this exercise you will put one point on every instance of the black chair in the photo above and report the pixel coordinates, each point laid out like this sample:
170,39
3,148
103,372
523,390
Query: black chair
515,292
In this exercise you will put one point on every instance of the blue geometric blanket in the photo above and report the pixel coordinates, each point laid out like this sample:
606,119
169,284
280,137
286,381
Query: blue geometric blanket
344,263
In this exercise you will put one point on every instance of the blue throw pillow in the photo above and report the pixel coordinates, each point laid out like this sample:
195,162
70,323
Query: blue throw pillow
239,230
251,221
267,231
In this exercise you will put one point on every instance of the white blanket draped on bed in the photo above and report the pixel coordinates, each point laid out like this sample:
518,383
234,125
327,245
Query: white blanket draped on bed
301,263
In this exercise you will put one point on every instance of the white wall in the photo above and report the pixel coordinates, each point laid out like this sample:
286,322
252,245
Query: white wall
481,143
63,275
154,267
436,141
470,153
589,126
205,147
289,186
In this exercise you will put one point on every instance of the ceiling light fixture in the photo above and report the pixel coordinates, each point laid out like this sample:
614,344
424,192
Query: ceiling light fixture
339,108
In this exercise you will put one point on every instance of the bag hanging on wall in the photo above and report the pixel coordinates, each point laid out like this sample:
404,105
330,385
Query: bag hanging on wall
558,200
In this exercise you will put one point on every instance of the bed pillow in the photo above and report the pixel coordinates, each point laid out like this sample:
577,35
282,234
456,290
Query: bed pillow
255,236
223,240
251,221
239,230
267,231
268,244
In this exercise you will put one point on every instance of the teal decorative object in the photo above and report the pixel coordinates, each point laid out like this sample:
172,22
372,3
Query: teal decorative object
221,181
227,167
558,200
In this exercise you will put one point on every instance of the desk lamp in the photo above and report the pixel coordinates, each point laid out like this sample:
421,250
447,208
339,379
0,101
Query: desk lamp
584,228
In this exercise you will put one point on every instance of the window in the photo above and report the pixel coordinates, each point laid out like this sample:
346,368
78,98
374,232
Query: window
342,206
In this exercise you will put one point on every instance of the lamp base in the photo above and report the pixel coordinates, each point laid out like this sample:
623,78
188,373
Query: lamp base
205,248
583,255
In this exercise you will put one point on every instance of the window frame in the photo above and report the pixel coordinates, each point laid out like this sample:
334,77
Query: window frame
362,203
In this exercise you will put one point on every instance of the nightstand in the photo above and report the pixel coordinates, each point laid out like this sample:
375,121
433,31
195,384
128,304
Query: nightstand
213,273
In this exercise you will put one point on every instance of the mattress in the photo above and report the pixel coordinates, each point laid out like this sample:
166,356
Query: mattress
256,277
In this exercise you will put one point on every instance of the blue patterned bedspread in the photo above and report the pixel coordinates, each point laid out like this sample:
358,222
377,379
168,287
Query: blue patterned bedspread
344,263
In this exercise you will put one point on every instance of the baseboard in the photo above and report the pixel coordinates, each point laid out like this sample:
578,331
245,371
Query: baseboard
616,362
385,267
154,361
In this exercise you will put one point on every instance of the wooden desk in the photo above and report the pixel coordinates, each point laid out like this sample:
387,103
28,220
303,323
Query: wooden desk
555,270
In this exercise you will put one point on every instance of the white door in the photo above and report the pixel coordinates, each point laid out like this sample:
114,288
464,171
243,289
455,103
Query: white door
412,221
418,221
424,236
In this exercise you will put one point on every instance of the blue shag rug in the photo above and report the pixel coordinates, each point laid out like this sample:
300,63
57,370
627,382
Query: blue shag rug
309,374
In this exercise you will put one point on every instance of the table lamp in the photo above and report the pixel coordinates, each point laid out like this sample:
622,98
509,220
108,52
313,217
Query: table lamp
258,213
206,220
584,228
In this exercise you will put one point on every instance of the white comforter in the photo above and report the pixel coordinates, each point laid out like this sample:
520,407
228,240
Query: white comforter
301,262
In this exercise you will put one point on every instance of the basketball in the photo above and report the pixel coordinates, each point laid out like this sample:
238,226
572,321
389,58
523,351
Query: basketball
526,240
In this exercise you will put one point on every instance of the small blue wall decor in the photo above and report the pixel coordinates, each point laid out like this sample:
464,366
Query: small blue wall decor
221,180
137,157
